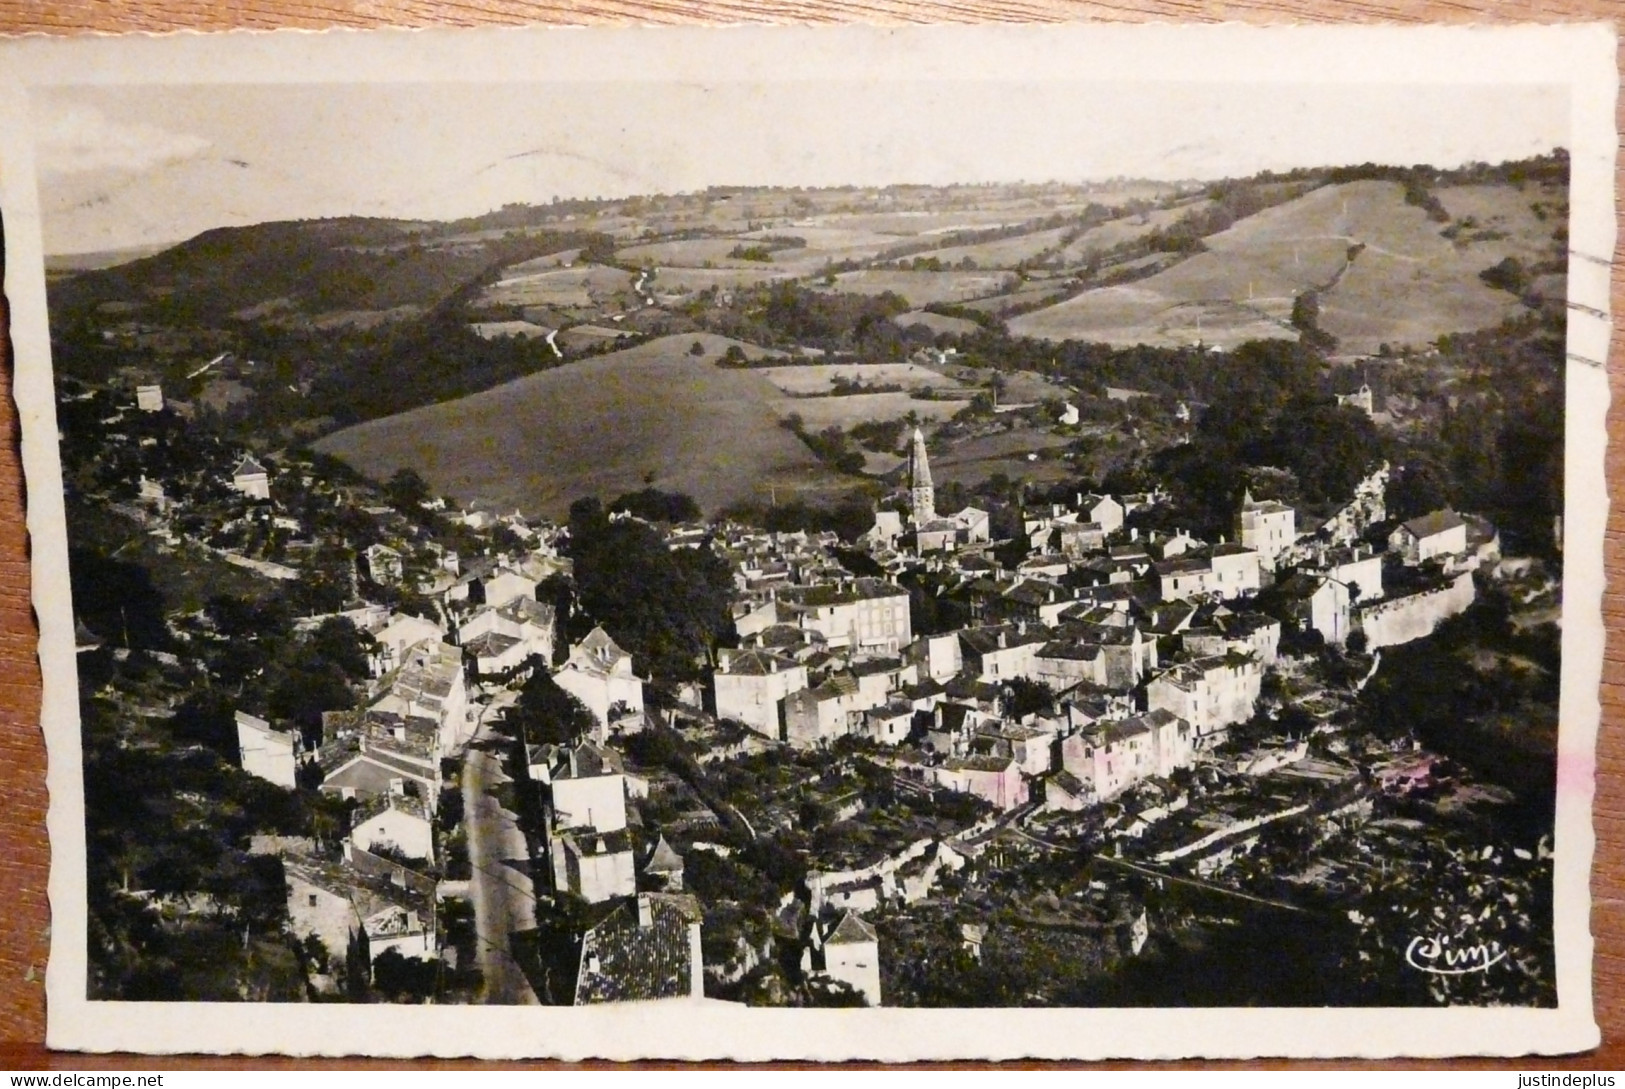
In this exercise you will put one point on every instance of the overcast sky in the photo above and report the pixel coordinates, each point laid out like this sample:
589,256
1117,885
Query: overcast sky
136,165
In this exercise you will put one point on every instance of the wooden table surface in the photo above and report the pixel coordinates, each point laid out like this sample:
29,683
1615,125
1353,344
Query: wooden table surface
24,852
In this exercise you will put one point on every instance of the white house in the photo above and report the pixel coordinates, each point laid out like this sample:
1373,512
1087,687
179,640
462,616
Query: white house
400,821
599,674
863,612
849,951
267,752
1226,571
1266,527
587,785
251,478
1209,693
1110,757
504,584
501,638
750,683
396,636
1102,510
1442,533
994,779
1317,602
594,866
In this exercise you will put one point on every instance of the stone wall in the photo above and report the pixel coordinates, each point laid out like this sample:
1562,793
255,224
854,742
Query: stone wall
1400,620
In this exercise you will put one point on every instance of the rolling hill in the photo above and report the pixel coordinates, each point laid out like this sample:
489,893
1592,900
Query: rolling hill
604,426
1385,272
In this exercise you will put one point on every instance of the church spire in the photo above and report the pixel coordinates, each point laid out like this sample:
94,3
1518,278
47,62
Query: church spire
922,494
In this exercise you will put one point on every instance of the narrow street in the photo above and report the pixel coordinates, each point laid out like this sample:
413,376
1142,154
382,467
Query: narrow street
504,897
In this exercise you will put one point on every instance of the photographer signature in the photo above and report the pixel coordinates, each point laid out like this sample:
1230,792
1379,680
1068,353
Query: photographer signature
1438,956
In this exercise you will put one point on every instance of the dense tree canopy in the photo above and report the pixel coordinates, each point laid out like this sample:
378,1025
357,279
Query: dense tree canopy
668,607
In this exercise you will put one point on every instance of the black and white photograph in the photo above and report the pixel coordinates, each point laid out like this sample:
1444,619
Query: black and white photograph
1000,559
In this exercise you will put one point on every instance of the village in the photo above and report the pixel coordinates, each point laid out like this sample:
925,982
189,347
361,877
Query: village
833,803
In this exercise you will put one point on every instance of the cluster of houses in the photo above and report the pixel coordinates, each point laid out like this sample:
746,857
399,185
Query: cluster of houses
1153,645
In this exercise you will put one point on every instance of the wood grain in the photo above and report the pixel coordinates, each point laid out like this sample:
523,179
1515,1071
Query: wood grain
24,852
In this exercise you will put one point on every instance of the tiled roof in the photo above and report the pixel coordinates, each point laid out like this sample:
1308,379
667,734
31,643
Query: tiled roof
624,961
490,644
1440,521
861,589
757,663
851,930
664,859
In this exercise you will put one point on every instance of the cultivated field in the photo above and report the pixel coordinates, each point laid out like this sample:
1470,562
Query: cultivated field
976,460
496,330
922,288
580,285
685,280
937,323
819,378
1115,232
1019,386
1384,271
1028,295
818,413
687,253
599,427
1003,252
543,263
938,221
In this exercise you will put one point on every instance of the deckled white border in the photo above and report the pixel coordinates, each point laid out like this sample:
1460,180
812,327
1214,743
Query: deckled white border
1579,57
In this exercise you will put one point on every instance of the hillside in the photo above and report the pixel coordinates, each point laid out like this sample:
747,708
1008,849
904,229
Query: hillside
604,426
1385,271
309,267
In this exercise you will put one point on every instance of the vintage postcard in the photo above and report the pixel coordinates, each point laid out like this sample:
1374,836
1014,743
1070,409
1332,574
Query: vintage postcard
946,543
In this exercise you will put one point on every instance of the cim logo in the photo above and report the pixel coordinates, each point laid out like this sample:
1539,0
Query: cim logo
1438,955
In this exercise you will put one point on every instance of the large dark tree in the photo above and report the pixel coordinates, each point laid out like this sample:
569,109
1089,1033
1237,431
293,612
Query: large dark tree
1330,447
545,713
668,607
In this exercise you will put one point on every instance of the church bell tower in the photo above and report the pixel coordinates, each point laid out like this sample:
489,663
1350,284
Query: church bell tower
922,496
